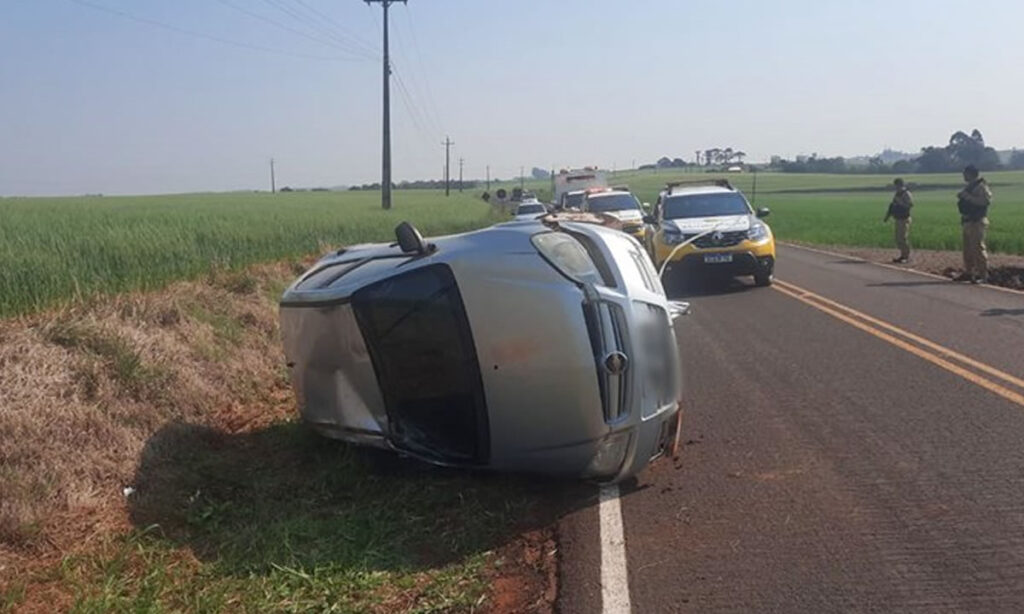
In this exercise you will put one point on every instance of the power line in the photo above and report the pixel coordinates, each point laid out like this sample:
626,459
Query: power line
409,103
430,106
210,37
349,46
282,26
371,47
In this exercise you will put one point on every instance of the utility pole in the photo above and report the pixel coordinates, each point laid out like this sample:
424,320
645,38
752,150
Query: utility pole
273,184
447,165
385,179
461,161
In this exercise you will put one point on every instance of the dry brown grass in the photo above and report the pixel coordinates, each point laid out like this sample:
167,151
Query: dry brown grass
183,394
82,389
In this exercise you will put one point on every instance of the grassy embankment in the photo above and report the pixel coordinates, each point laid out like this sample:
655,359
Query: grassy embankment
181,395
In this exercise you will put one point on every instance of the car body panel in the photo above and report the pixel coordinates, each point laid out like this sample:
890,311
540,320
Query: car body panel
543,383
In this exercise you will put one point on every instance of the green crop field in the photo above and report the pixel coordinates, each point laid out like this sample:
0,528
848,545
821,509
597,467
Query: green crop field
848,209
52,249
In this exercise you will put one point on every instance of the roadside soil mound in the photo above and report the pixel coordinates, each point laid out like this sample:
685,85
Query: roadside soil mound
1005,270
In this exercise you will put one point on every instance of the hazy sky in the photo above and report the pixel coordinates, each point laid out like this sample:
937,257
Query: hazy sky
93,101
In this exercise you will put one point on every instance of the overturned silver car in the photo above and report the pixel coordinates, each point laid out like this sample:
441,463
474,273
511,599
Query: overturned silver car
525,347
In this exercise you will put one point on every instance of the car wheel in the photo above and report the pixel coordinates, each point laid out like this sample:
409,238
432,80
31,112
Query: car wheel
765,279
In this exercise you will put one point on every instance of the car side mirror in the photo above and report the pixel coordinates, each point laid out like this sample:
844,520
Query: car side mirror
650,219
764,212
410,240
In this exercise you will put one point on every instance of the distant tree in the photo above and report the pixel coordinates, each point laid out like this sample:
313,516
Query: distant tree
739,155
539,173
664,162
967,149
647,167
903,167
286,189
678,163
1017,160
935,160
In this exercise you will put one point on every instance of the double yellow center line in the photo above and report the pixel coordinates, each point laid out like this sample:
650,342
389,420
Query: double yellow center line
998,382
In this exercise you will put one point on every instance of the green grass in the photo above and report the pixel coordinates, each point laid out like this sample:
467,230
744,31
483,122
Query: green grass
848,209
55,249
281,520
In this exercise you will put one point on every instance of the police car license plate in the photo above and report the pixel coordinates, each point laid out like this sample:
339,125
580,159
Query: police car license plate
717,258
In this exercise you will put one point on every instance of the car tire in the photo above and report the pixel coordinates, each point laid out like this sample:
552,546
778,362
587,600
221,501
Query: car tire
765,279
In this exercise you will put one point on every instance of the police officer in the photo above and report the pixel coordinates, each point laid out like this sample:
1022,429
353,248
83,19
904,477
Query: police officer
899,210
973,202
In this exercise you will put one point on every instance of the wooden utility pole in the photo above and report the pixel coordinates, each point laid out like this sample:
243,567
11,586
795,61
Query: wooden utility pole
447,165
385,178
273,183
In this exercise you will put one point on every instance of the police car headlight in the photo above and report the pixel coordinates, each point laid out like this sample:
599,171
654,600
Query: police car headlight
757,232
568,256
672,238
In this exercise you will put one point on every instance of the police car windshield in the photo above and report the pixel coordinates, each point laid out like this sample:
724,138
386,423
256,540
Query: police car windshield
612,202
525,209
705,205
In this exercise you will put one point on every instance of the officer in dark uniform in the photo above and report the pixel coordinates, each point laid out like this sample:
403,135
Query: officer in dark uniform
973,203
899,210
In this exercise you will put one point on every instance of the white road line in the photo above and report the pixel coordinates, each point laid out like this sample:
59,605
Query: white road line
614,577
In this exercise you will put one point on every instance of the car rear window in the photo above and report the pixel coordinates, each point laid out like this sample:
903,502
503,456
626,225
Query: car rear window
612,202
421,346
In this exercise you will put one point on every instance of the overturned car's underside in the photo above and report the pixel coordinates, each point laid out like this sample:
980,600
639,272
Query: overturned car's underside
524,347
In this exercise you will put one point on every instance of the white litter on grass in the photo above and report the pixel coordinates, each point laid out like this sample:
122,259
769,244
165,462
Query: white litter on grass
128,491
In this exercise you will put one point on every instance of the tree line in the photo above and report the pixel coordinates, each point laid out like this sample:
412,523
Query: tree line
961,150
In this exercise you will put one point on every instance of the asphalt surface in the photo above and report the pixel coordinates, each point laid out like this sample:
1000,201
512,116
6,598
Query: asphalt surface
827,468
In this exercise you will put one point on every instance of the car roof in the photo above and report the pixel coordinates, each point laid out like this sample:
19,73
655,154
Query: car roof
698,189
607,193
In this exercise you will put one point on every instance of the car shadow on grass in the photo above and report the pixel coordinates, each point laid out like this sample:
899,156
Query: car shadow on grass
283,497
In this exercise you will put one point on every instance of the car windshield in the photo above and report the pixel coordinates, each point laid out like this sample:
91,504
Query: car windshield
612,202
529,209
706,205
574,200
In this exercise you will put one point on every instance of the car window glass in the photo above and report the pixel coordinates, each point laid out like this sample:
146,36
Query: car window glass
422,349
612,202
705,205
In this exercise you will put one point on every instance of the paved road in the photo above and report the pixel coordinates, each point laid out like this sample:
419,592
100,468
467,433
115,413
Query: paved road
854,441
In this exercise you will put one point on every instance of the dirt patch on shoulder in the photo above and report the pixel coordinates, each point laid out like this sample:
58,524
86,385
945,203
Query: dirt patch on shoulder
1005,270
527,580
